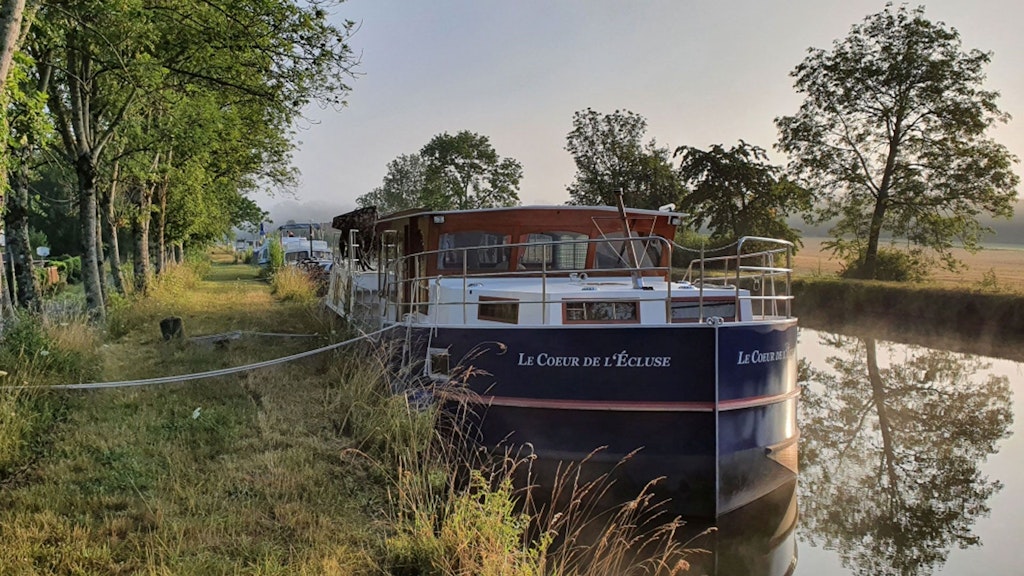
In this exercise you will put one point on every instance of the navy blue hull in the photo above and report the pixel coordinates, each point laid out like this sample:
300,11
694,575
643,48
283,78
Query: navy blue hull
710,409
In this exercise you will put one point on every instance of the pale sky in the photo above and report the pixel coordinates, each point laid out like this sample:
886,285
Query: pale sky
700,72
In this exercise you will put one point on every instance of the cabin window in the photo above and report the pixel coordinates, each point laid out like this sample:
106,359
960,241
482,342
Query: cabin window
594,311
480,250
614,251
294,257
690,310
498,309
553,251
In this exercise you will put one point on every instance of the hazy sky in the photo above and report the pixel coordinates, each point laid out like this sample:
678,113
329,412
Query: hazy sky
700,72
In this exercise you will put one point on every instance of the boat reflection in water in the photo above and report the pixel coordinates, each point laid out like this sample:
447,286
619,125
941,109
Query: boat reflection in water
758,539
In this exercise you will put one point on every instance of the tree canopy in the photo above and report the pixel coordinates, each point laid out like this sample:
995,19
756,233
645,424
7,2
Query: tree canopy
610,157
402,187
450,172
892,137
737,192
464,171
184,107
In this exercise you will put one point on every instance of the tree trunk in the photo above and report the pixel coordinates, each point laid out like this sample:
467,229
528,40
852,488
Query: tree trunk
11,12
161,229
85,169
179,252
100,255
110,224
874,232
16,221
5,299
143,196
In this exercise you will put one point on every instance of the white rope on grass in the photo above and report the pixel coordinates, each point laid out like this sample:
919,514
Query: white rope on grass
201,375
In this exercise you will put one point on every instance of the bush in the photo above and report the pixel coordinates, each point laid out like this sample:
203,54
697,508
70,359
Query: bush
890,264
69,267
275,253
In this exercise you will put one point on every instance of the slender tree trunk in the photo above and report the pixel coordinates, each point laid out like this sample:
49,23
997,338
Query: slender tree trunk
881,203
5,299
140,236
161,229
11,12
100,254
874,233
86,171
16,221
110,224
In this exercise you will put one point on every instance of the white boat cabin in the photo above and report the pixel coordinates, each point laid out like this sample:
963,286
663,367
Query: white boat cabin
552,265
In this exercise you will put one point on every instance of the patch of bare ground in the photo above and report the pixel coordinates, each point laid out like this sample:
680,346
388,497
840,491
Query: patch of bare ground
993,268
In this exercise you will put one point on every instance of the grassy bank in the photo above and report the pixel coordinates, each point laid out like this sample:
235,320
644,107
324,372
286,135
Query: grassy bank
313,467
967,319
239,474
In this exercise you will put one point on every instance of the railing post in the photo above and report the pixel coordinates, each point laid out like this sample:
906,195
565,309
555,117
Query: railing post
544,290
465,271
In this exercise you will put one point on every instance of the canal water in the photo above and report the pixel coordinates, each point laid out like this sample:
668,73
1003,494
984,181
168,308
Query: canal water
911,462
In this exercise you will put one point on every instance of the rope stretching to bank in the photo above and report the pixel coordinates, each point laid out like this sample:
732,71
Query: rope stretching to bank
202,375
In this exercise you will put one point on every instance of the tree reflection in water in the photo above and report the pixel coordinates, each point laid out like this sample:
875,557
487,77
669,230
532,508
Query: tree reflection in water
890,456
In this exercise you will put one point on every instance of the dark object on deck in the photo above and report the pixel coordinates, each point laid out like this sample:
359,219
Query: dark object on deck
172,328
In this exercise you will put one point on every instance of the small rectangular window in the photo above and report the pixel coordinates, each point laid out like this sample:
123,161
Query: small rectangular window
498,310
690,310
595,312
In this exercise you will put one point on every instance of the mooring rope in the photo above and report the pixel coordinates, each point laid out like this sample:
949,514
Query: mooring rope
201,375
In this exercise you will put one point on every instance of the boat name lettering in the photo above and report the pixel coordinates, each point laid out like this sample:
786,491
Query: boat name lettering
758,357
618,360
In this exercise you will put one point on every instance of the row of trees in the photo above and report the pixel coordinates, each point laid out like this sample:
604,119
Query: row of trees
157,119
891,139
732,191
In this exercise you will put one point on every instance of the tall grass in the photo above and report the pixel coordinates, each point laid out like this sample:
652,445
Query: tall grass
292,283
458,509
35,353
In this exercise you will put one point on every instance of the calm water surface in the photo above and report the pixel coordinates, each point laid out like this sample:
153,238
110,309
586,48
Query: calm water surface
912,462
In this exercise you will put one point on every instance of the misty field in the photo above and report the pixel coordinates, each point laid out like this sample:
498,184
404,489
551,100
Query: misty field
1001,267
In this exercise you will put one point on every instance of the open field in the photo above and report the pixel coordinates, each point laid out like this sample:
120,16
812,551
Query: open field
1005,265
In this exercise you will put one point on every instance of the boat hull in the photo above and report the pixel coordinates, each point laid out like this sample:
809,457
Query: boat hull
710,410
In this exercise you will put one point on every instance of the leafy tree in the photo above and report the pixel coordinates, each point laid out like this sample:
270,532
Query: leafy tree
464,171
26,125
737,192
891,136
610,157
891,453
255,63
403,186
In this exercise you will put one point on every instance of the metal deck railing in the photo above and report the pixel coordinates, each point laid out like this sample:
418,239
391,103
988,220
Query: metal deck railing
759,271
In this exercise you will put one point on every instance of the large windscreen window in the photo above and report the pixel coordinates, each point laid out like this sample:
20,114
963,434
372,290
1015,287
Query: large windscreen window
615,252
553,251
474,250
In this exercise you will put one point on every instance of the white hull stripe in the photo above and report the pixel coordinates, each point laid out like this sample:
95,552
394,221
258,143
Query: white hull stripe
621,406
